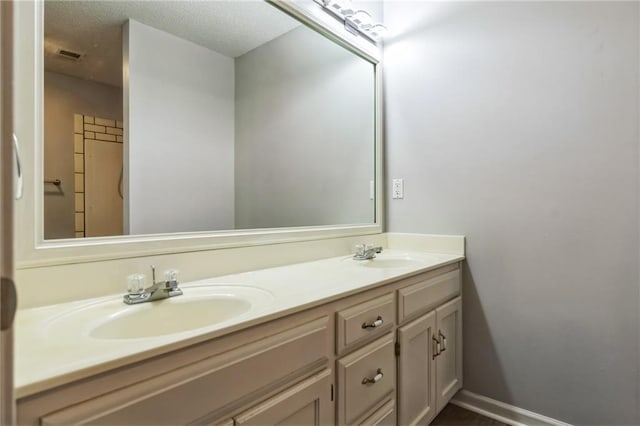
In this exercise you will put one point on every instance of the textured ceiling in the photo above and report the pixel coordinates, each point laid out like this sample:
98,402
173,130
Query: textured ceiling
94,28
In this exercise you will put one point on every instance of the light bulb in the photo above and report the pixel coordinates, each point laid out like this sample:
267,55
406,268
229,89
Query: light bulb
362,19
334,5
341,7
378,31
347,8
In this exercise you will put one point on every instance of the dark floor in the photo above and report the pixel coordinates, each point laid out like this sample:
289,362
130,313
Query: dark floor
452,415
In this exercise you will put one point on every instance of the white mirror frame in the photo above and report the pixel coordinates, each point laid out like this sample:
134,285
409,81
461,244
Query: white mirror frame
32,250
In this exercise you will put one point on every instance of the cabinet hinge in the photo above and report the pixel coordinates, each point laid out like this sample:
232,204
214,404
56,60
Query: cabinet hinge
397,348
331,392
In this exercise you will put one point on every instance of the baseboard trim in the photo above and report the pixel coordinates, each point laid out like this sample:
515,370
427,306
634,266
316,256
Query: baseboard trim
502,412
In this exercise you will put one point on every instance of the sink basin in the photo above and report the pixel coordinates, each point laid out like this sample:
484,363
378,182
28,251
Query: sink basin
169,316
198,307
383,261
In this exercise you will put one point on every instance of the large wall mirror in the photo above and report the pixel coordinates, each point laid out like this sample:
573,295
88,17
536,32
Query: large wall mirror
189,116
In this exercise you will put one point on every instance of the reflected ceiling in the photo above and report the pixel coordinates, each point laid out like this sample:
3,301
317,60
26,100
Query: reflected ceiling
231,28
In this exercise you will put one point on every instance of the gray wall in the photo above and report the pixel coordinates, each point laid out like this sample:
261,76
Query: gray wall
181,134
304,134
516,124
63,97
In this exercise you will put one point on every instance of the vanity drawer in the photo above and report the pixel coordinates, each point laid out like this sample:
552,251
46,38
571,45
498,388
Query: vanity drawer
364,320
424,296
182,395
365,378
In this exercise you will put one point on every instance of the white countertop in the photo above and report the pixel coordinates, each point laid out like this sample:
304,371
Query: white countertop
45,358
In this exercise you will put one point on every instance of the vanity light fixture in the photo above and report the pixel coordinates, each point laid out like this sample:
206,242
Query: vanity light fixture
358,22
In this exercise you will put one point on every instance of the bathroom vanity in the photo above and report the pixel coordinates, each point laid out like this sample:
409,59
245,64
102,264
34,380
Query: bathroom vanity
385,349
294,340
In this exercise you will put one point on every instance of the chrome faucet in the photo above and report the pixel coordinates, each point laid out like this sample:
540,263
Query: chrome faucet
366,252
158,290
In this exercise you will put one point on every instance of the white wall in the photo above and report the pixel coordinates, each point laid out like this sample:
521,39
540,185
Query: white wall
304,134
63,97
516,124
180,135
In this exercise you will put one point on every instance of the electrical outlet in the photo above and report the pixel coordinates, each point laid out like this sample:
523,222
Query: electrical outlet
397,191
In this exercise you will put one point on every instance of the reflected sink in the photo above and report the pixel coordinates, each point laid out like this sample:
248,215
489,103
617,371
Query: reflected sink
388,261
198,307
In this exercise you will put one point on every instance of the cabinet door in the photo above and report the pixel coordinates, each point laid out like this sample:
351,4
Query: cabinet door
449,361
384,416
306,403
416,371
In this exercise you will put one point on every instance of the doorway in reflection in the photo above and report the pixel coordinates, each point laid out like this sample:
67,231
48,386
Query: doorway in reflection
98,176
67,99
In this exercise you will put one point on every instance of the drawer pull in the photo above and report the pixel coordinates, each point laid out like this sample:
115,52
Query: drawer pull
436,347
443,339
373,380
375,324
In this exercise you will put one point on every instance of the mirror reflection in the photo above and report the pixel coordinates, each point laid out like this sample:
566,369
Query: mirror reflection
184,116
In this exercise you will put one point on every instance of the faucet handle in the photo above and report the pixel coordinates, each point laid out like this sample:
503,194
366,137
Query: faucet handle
171,275
136,283
171,283
360,248
171,279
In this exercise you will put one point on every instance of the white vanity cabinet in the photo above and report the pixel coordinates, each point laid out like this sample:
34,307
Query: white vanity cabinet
429,352
370,358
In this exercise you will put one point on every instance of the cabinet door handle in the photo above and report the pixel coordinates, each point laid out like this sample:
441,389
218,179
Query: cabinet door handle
444,341
436,347
374,324
375,379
